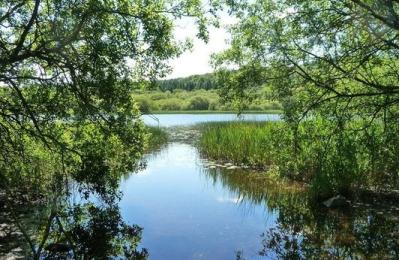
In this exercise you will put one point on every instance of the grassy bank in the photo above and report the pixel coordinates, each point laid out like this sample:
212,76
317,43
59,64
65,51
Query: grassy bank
331,160
240,142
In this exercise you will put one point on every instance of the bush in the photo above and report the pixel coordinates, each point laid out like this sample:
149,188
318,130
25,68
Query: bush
144,106
157,138
170,104
192,100
198,103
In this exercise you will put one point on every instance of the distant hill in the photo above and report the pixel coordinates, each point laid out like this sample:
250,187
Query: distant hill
194,82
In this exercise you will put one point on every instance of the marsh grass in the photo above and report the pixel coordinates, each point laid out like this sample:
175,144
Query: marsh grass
248,143
331,159
156,138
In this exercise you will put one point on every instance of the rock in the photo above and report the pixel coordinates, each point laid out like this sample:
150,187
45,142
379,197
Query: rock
336,202
212,167
232,167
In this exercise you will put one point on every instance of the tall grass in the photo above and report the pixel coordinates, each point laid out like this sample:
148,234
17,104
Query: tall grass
333,158
247,143
156,138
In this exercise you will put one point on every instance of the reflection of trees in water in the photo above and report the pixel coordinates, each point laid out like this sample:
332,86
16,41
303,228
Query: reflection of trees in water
91,231
355,235
56,227
304,230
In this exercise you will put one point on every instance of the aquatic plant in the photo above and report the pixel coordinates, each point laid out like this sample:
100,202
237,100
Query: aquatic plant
332,158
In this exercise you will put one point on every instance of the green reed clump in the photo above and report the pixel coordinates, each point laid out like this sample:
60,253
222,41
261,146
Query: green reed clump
156,138
240,142
333,157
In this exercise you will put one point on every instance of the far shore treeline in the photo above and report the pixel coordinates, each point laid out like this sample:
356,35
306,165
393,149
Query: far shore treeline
199,93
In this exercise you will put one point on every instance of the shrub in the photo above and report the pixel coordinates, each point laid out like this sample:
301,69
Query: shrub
144,106
198,103
170,104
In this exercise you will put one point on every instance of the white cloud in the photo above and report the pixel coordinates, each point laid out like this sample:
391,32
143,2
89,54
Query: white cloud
197,61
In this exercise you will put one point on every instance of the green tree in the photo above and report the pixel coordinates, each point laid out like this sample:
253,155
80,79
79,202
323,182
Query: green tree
66,73
66,70
334,60
194,82
326,51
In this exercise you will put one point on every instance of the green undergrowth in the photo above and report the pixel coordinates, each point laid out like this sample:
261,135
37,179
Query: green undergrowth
333,158
197,100
156,138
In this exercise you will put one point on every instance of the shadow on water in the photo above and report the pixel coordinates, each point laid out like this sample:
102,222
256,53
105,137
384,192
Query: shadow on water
306,231
79,222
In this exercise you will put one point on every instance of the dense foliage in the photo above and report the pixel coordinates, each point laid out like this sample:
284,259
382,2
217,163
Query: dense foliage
332,158
333,65
322,53
204,100
66,106
65,66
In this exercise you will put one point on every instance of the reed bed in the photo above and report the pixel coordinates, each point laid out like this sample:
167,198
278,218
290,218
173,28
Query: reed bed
331,158
156,138
250,143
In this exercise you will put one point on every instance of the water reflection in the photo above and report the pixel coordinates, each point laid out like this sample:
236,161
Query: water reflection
188,211
185,215
89,231
59,226
306,231
355,234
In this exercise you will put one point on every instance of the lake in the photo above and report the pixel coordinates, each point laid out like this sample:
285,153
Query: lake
189,210
188,215
185,213
184,206
169,120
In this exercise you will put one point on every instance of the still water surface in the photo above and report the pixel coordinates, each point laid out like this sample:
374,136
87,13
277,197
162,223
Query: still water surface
169,120
189,211
185,213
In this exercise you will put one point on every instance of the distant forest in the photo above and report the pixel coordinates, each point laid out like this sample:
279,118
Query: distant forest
194,82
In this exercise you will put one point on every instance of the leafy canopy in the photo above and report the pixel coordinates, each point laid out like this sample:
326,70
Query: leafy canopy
330,53
68,68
